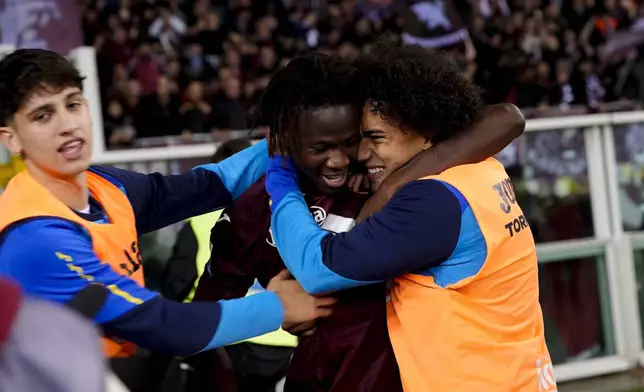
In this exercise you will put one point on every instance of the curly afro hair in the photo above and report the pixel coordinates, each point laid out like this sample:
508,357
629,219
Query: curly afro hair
308,82
418,90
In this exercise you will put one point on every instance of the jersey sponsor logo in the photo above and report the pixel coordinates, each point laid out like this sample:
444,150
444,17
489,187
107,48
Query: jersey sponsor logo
546,376
270,239
133,262
508,199
318,214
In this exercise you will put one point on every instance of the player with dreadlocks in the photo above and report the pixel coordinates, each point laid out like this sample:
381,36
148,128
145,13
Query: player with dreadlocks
313,108
305,105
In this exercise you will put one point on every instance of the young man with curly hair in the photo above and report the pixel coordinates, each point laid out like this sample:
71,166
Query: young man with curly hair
463,309
313,107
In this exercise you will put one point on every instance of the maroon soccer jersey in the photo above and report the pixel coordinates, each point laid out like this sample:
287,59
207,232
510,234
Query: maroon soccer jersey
351,350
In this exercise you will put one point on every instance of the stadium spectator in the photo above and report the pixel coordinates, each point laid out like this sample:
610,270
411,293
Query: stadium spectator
229,113
535,53
145,69
158,113
168,28
117,125
194,111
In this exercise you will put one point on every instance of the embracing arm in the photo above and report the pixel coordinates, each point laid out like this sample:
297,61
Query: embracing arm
64,263
418,228
497,127
159,200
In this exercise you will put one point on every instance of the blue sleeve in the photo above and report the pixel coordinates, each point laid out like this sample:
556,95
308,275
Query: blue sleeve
419,227
159,200
63,263
189,328
243,169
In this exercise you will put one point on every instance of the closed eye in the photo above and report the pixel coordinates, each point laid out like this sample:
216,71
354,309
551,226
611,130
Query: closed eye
373,134
319,148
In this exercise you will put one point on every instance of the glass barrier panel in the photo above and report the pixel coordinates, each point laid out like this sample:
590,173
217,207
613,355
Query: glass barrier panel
629,154
576,309
638,259
549,171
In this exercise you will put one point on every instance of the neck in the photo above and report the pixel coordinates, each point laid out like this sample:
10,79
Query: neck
72,191
306,185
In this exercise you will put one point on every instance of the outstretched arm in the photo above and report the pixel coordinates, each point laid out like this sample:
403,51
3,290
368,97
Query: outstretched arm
66,264
159,200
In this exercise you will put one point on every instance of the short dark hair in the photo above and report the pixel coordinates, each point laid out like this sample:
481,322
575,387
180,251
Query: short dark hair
229,148
307,82
418,90
25,71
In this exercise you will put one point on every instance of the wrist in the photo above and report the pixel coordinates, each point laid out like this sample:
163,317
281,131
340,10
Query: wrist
282,303
275,302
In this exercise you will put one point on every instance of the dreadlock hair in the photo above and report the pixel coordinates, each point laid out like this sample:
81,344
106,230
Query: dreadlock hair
308,82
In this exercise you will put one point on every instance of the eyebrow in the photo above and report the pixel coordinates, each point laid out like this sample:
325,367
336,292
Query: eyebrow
73,94
49,106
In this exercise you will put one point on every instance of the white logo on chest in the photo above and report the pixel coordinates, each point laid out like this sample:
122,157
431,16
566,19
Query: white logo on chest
319,216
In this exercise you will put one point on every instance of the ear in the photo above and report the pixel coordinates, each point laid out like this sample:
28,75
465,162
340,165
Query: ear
10,140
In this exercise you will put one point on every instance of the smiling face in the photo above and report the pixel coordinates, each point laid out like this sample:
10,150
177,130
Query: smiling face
385,148
328,141
53,131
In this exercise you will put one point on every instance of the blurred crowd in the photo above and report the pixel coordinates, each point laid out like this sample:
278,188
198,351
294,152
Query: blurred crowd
550,53
196,67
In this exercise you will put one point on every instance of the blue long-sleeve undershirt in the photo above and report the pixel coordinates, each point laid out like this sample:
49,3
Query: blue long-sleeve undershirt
418,228
160,200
